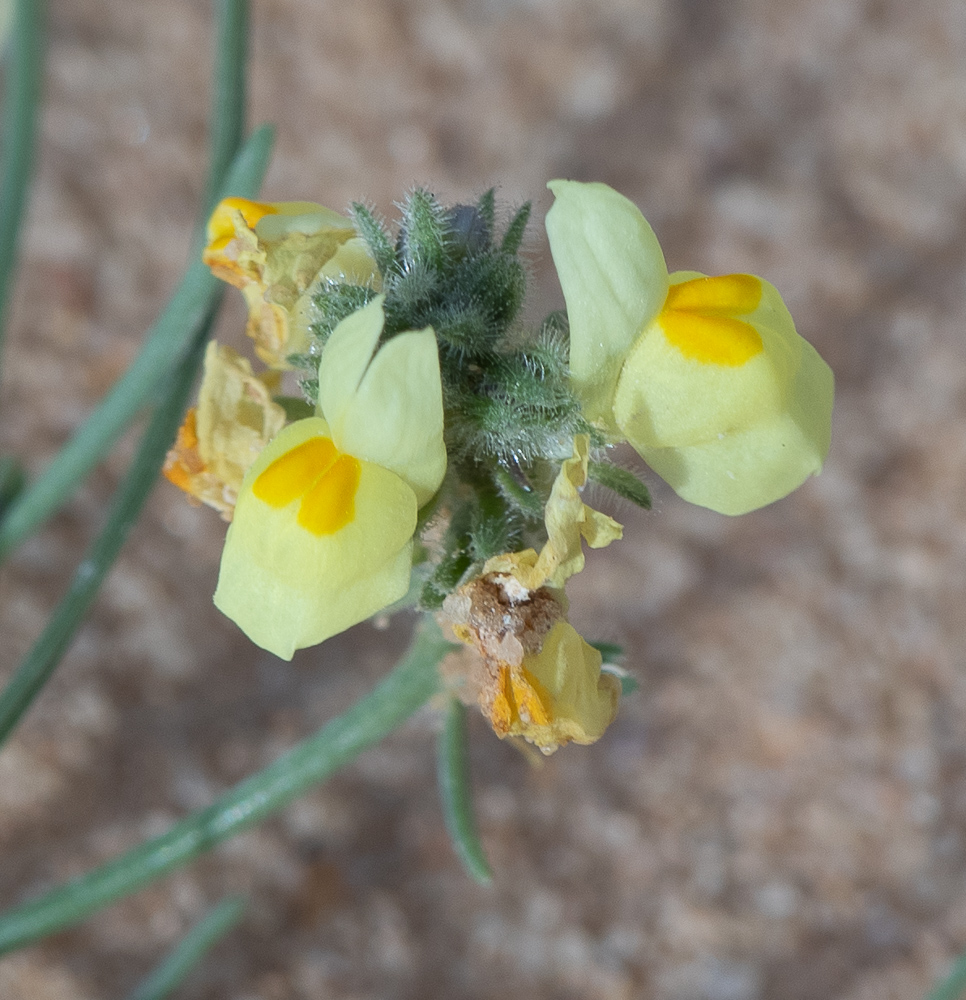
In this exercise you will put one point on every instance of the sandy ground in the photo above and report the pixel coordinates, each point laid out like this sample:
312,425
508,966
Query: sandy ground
778,813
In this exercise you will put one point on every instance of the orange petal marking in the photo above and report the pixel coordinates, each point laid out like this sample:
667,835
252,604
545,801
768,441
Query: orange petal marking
699,319
221,227
318,475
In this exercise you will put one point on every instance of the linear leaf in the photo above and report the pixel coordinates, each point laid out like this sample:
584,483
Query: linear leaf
165,344
953,987
190,950
389,704
25,70
38,666
455,793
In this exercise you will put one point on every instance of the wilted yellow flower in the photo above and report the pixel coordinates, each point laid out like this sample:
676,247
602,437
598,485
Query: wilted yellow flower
538,678
221,438
567,519
323,530
705,377
556,696
277,254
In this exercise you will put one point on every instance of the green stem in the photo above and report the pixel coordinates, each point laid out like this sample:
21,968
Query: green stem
455,793
167,341
41,661
392,701
18,141
190,950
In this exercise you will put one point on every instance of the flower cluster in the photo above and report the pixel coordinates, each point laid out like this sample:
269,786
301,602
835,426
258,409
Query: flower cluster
438,449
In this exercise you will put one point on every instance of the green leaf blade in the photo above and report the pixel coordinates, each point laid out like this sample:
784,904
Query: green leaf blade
413,681
38,666
453,777
24,78
199,940
953,987
620,481
166,342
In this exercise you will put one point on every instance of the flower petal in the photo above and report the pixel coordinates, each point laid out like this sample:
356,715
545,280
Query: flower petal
729,436
386,409
669,396
292,577
345,358
568,519
233,422
614,281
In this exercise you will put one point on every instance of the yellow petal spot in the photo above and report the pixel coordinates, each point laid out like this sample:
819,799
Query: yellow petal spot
520,702
221,227
317,474
698,318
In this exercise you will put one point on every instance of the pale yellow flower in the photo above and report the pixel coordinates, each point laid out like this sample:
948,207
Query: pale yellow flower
706,377
322,536
556,696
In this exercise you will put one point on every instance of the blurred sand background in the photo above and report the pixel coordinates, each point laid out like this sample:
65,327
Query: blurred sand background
779,812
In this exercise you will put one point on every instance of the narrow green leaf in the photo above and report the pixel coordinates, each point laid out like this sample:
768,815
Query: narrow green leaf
611,652
40,663
165,344
620,481
230,90
426,230
6,21
295,407
444,579
190,950
527,500
513,236
12,481
23,77
629,684
953,987
389,704
455,793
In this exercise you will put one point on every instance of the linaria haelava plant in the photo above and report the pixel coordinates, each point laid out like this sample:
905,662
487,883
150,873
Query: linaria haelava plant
401,438
438,450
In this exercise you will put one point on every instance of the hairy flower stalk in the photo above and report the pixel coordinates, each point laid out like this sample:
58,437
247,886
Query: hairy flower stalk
441,445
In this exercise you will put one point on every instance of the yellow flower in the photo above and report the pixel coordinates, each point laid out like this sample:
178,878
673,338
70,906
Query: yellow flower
705,377
537,677
221,438
323,530
278,254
